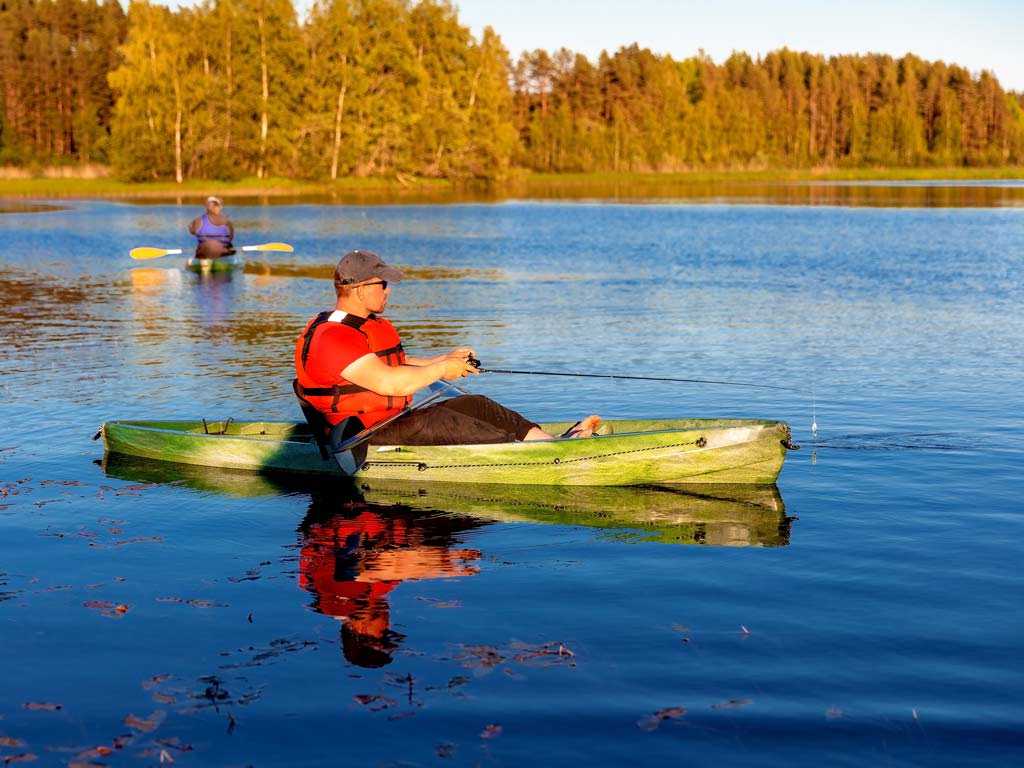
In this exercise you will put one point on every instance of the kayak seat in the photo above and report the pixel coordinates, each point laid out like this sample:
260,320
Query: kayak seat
320,426
343,430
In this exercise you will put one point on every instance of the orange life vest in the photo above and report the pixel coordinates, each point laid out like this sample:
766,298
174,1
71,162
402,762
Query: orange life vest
339,399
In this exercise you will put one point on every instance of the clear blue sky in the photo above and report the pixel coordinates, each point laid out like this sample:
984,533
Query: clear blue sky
977,34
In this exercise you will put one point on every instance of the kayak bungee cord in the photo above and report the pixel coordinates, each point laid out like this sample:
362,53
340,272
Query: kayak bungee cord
479,366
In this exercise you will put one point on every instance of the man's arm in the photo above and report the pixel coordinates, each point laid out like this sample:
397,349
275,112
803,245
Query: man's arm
462,353
374,374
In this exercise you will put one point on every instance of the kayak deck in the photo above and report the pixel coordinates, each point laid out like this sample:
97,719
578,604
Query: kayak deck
638,452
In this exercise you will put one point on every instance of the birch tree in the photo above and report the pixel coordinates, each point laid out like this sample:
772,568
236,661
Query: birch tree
150,85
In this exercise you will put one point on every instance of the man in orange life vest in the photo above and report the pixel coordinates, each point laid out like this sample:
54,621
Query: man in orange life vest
213,230
350,362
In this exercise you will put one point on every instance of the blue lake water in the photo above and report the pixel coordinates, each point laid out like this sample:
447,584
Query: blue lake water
867,611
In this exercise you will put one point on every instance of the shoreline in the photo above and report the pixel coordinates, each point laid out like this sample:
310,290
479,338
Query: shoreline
539,184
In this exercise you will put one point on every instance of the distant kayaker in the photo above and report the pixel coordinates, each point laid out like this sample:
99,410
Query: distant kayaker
213,230
350,363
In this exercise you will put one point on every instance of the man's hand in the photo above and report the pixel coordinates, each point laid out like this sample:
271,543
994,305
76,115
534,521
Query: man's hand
462,353
456,368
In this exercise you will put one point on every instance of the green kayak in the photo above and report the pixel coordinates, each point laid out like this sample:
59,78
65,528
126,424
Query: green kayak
210,266
714,515
638,452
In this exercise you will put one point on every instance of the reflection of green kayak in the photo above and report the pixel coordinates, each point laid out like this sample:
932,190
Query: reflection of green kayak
218,265
722,515
651,452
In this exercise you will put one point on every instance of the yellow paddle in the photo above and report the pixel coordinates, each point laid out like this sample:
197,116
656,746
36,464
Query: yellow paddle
156,253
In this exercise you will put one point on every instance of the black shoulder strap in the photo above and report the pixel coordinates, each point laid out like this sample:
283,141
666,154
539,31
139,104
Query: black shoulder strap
307,337
323,317
355,322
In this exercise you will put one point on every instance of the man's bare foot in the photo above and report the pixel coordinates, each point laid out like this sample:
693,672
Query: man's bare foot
583,428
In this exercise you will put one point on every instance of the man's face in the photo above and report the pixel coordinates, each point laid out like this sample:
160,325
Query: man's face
374,294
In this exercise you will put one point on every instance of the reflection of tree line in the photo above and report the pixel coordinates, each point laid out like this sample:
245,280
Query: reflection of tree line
885,195
212,293
389,87
211,297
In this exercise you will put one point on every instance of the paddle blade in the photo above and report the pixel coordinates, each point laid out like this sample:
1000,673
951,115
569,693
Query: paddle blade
153,253
269,247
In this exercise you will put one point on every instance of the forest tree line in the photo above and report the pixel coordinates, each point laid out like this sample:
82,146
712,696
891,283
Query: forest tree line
233,88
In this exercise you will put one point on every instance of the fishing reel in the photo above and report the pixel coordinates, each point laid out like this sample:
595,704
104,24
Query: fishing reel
474,362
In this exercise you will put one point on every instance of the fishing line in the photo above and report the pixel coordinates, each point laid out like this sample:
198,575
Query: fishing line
478,365
814,420
814,425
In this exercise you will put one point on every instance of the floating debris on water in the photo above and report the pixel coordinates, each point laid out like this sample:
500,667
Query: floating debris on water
651,722
41,706
732,704
491,731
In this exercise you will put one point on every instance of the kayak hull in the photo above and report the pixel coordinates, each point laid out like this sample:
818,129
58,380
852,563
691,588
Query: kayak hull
639,452
210,266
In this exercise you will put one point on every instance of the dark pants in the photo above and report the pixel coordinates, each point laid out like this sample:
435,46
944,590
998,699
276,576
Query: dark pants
462,420
213,249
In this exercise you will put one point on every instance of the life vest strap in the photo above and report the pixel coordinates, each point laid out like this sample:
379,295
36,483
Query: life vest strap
337,389
336,392
307,337
392,351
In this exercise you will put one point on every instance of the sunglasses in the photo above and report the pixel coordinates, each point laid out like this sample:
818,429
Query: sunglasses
382,283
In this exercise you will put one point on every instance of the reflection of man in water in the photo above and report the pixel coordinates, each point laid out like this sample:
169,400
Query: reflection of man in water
353,558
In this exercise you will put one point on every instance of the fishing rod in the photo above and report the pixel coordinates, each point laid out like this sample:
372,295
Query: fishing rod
479,366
